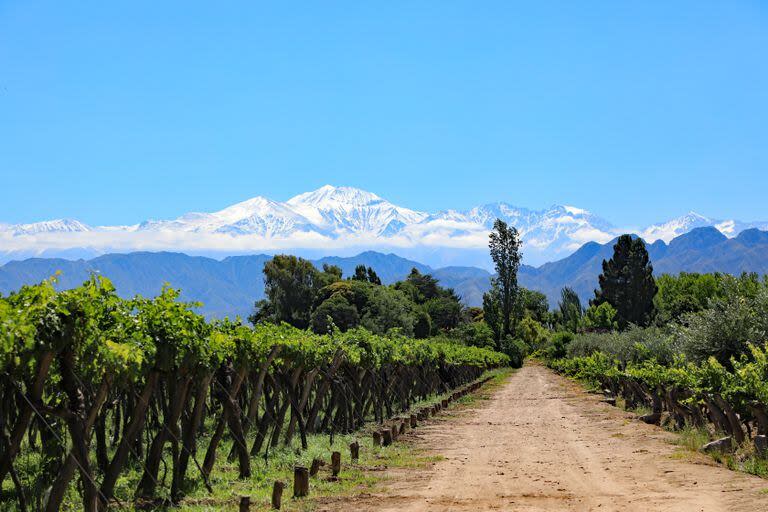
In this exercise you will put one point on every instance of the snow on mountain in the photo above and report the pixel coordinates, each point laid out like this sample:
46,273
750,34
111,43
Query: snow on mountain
332,218
257,216
49,226
347,210
555,230
678,226
675,227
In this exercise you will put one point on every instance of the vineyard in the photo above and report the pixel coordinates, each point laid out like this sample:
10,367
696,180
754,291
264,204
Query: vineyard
732,401
94,386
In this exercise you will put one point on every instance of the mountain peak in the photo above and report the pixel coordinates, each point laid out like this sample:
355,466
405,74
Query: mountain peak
329,196
697,238
51,226
574,210
333,217
676,227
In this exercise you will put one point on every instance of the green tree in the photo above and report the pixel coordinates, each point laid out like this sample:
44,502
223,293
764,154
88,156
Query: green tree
290,284
685,293
421,287
533,304
505,248
366,274
627,283
422,328
332,273
532,333
601,318
388,309
492,310
334,311
373,278
361,273
730,322
571,310
444,311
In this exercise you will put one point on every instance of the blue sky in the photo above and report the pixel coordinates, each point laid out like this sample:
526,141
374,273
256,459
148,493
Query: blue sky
117,112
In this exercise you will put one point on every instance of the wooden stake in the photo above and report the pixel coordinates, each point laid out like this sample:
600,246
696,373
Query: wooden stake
245,503
300,481
414,423
315,467
335,463
387,437
376,439
354,451
277,494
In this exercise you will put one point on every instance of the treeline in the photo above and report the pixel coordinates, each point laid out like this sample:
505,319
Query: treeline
305,297
324,300
105,400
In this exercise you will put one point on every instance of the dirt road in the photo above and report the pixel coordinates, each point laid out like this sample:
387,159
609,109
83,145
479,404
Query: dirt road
540,443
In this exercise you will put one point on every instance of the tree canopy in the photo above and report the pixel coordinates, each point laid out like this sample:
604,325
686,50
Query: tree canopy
627,283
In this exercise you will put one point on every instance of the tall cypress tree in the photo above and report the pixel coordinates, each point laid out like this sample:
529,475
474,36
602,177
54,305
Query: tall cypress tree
627,283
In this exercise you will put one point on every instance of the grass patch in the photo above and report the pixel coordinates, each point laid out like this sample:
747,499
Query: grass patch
692,438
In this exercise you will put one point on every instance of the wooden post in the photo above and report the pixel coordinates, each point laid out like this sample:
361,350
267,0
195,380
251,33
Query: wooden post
354,451
445,404
245,503
414,423
335,463
277,494
300,481
387,437
315,467
395,431
376,439
402,427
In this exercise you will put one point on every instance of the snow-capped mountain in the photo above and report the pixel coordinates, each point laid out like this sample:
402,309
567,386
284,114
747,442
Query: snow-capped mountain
678,226
257,216
48,226
350,211
337,219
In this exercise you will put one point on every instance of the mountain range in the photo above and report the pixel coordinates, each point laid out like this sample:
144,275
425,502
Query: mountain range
230,286
343,221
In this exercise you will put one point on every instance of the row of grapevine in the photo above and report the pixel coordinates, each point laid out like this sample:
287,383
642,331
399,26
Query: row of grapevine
732,400
95,386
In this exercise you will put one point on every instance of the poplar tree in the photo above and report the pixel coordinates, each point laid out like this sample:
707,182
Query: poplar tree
505,248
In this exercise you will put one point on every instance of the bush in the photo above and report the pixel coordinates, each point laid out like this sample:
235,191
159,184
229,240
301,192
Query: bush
631,346
728,325
532,333
557,347
516,349
476,334
601,318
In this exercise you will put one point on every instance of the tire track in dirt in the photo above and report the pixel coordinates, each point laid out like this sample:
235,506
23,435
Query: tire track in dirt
541,444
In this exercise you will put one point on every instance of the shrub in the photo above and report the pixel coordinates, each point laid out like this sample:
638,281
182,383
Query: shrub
558,345
601,318
516,349
532,333
631,346
476,334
